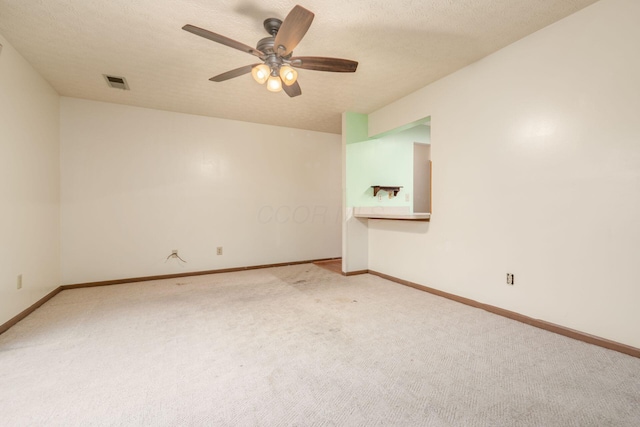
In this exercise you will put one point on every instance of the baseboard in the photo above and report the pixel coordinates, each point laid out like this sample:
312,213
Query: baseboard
188,274
322,261
548,326
355,273
24,313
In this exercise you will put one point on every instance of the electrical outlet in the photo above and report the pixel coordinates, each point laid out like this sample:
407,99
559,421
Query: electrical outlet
19,284
219,250
406,197
379,197
510,279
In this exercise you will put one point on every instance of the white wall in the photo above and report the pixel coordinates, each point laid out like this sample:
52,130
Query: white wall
536,171
138,183
355,252
29,184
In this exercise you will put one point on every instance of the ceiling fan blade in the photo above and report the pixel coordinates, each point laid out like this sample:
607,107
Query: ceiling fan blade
319,63
222,40
292,30
293,90
233,73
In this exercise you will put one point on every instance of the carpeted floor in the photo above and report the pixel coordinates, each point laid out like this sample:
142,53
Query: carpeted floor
299,346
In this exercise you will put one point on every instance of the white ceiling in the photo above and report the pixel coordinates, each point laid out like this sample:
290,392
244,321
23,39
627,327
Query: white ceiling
401,46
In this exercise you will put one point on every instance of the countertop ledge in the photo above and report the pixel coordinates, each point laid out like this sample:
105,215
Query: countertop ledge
402,217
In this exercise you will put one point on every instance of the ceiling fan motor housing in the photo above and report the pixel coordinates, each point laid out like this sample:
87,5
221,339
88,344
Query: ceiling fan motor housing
266,45
271,58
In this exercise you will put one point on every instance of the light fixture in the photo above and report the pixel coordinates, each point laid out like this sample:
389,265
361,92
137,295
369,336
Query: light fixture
274,84
260,73
288,75
274,75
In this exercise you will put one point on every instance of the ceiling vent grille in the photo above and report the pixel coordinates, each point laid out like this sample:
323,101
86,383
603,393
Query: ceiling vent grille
116,82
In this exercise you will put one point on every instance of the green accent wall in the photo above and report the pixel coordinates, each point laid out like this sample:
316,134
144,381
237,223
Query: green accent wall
382,161
426,120
357,127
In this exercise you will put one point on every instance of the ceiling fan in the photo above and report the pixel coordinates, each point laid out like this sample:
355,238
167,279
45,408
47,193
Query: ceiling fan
276,52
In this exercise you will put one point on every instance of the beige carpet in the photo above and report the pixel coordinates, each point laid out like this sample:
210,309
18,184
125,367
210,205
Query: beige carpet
299,346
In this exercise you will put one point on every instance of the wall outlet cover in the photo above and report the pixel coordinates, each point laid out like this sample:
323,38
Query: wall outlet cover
510,279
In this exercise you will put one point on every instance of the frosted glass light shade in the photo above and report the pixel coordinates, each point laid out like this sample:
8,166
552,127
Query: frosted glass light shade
288,75
274,84
261,73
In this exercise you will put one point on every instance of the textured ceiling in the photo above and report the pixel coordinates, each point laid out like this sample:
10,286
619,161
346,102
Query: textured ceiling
401,46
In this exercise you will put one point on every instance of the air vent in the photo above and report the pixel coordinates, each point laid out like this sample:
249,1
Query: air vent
117,82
